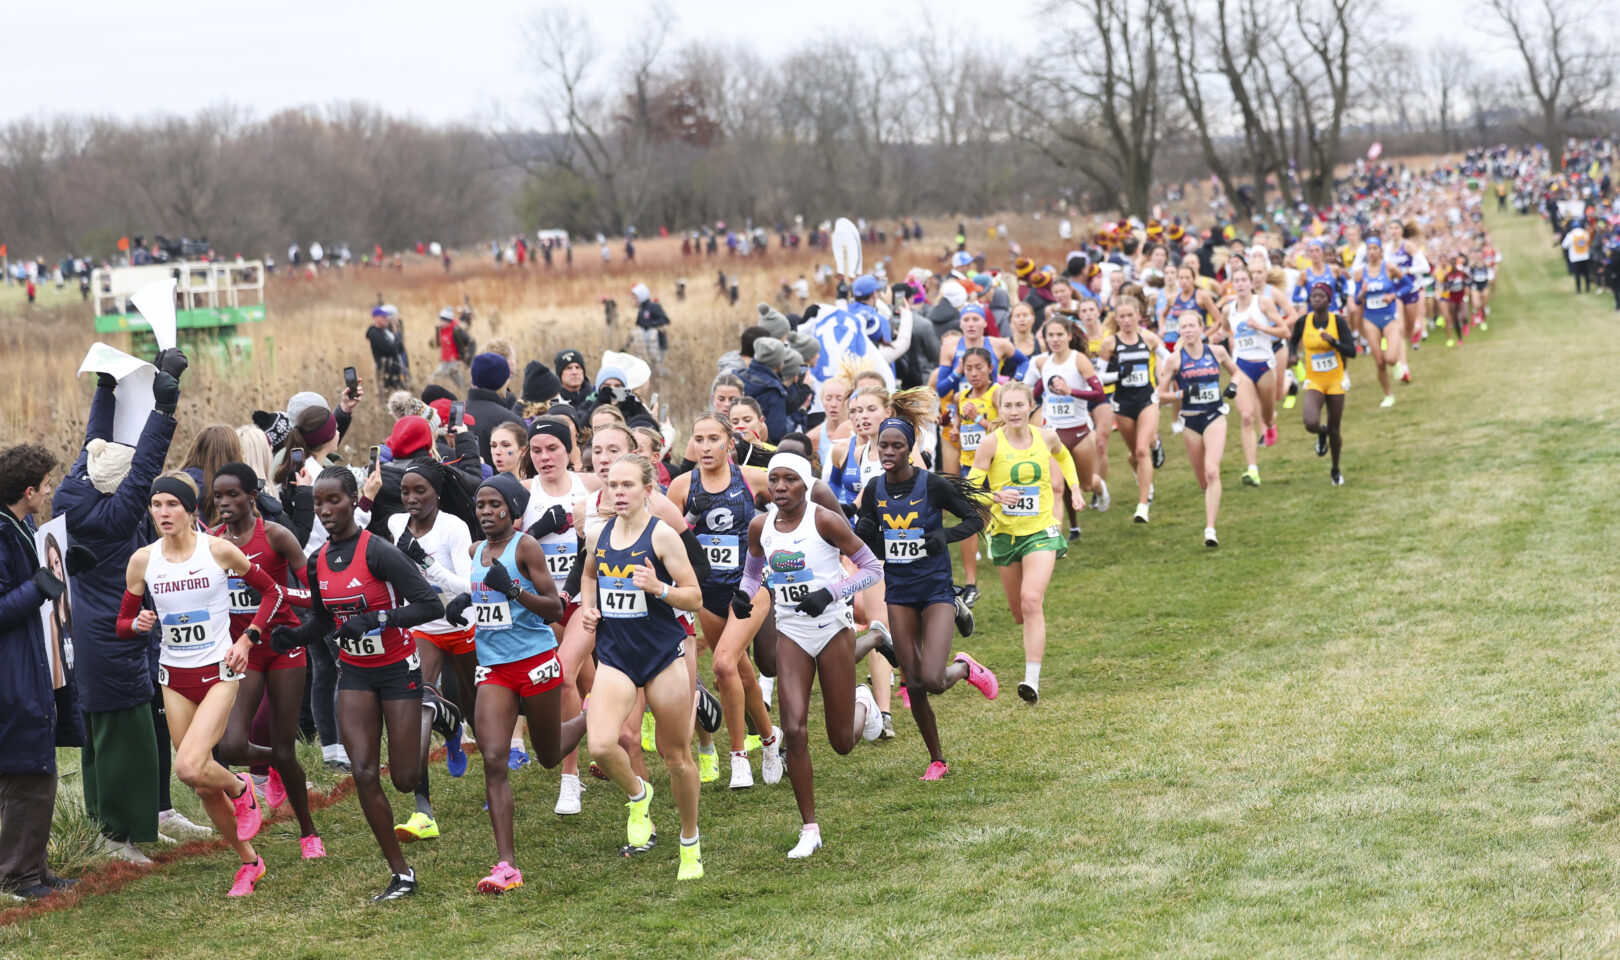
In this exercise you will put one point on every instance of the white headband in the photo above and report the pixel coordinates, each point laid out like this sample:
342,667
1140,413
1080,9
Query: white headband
797,464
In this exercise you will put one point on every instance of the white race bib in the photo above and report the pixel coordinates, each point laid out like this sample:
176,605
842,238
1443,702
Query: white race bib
186,629
1028,503
242,602
972,436
1248,342
1059,408
546,672
1377,303
366,645
559,559
1206,393
1138,377
1324,362
621,599
723,550
492,612
903,546
789,588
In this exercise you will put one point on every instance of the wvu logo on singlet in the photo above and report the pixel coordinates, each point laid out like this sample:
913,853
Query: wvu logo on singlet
902,522
609,570
783,561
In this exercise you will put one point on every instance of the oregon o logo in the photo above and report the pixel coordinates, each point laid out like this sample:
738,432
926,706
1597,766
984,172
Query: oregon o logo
1017,472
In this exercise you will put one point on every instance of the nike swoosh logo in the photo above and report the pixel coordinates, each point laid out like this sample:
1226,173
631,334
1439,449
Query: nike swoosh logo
193,573
253,556
637,553
915,502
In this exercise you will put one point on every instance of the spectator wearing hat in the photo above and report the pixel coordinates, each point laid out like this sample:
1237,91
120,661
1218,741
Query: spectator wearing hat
762,380
385,346
485,402
570,368
946,315
651,319
455,346
1040,295
541,388
863,304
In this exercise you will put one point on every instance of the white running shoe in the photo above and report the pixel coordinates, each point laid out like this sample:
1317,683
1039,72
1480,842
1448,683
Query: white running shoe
1104,501
1388,401
174,824
809,842
1176,426
568,793
767,686
123,850
1209,537
874,719
742,773
1141,513
770,765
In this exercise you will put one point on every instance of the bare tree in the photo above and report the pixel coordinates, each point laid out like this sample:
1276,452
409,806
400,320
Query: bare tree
1568,57
1447,76
1182,28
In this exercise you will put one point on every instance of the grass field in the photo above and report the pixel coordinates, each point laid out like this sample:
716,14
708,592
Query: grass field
1379,721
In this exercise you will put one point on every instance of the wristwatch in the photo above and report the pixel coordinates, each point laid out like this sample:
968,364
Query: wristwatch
382,619
254,634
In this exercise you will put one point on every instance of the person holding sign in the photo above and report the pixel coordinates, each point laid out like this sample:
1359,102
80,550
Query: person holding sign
1018,462
902,518
796,549
188,576
1192,375
636,576
510,605
275,549
371,594
1324,341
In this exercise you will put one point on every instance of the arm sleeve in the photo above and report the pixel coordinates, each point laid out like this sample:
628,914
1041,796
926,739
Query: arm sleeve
695,556
1103,373
1093,390
947,381
271,596
1347,343
950,499
902,337
753,574
128,609
1066,466
421,603
577,574
866,512
1296,334
868,572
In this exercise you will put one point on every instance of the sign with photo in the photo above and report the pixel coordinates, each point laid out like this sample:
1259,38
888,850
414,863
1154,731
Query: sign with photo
52,543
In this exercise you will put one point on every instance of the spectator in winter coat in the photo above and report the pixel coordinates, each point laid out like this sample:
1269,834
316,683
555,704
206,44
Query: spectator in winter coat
652,320
104,497
762,380
36,716
486,401
576,378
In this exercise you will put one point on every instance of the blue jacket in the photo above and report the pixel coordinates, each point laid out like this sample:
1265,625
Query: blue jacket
764,385
112,674
34,719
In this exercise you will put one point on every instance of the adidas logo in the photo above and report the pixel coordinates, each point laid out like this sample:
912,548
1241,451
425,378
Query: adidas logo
355,582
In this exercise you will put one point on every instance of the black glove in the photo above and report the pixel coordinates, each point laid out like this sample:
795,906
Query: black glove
498,580
48,584
456,607
106,381
165,393
283,639
79,560
866,530
934,541
172,362
816,602
358,626
554,520
1231,390
742,605
409,546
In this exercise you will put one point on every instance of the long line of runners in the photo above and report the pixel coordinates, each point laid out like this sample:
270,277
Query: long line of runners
573,600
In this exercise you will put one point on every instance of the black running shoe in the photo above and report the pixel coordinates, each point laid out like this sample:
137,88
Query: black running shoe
446,715
964,618
1336,477
401,885
1321,445
629,851
885,647
708,709
1029,692
1158,453
970,594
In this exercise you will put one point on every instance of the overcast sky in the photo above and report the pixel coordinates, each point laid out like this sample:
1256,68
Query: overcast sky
436,60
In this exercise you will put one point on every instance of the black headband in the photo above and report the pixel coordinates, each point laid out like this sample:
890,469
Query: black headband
430,471
177,488
552,428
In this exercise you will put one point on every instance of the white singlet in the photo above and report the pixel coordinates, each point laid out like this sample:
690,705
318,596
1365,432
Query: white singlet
1249,342
798,562
560,548
193,604
1061,412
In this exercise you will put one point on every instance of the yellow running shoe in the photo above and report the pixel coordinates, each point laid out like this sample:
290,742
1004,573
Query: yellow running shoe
691,861
419,827
649,732
751,742
639,829
708,766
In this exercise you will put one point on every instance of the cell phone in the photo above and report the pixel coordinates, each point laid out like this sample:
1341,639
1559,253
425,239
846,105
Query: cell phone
351,379
298,461
899,302
457,409
654,404
375,453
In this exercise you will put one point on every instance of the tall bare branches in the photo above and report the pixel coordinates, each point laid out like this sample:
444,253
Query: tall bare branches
1568,56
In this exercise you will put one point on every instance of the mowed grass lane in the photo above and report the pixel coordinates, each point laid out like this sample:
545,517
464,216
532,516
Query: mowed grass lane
1378,720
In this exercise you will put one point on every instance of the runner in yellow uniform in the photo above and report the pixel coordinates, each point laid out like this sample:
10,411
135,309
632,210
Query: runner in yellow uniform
1325,345
1018,461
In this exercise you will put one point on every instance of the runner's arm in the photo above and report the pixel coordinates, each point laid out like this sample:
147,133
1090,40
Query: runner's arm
421,604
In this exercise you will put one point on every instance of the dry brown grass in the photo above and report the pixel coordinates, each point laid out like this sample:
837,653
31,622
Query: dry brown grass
317,327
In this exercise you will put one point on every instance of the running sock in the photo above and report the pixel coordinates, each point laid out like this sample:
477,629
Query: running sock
688,843
640,794
742,753
1032,673
517,743
707,750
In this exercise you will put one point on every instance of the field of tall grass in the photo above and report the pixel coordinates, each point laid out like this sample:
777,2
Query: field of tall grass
314,328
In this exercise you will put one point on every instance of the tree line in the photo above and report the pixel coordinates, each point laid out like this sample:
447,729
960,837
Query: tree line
1115,101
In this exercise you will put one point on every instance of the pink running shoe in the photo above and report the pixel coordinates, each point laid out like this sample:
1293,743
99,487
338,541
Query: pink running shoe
980,676
275,792
905,697
249,815
311,847
501,879
1271,436
247,877
936,771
